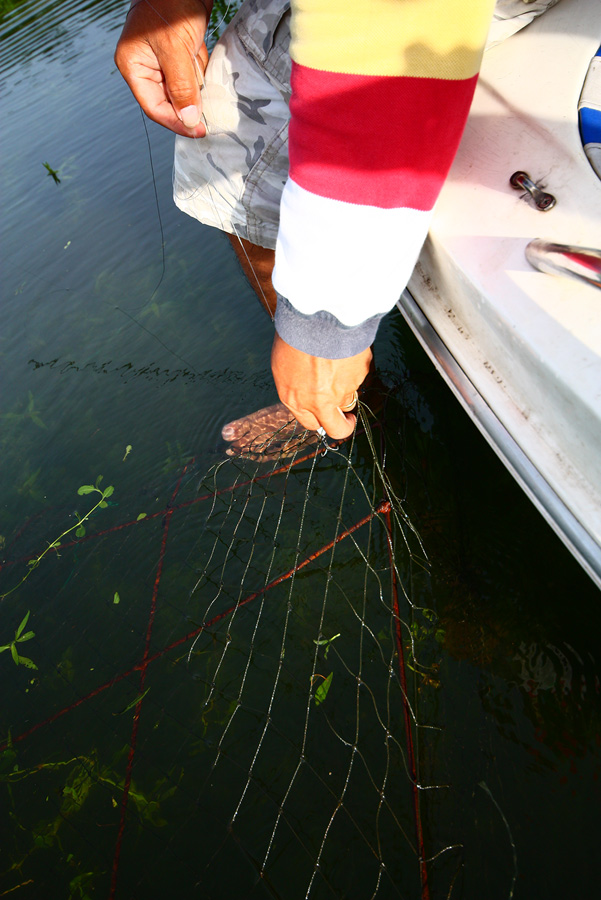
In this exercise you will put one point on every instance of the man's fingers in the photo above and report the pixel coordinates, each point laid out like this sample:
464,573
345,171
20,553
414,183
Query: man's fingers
182,85
162,56
304,416
149,91
338,425
314,388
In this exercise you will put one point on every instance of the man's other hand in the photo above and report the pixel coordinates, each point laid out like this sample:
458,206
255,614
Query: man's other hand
162,55
314,389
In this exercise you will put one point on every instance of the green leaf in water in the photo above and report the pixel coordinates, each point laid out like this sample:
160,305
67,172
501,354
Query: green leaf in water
76,790
322,691
116,599
108,491
14,653
81,531
52,172
22,625
86,489
26,637
28,663
141,516
37,421
325,642
133,703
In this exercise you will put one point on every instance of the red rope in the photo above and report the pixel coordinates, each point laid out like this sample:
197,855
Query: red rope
425,889
143,669
382,508
227,490
148,658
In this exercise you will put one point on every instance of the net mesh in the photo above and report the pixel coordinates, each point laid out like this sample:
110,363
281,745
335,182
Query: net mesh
258,699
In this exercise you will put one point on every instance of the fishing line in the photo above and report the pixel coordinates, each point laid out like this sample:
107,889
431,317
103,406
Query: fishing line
158,208
200,78
147,303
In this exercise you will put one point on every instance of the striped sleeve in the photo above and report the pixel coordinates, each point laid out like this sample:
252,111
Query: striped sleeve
381,90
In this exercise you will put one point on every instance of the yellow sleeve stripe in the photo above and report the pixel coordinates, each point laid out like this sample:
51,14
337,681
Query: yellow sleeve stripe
419,38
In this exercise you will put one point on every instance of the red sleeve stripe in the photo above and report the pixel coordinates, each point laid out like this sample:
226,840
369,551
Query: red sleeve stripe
373,140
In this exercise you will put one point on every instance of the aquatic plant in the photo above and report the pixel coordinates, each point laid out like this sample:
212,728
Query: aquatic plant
20,637
326,642
78,528
322,691
52,172
84,773
30,412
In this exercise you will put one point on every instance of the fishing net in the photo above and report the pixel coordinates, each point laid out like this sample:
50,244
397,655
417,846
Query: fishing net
259,696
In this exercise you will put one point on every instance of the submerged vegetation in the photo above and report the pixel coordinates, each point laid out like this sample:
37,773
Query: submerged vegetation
7,6
75,783
52,172
78,528
20,637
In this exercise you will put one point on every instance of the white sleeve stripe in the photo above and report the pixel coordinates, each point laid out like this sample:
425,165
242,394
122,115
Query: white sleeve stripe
350,260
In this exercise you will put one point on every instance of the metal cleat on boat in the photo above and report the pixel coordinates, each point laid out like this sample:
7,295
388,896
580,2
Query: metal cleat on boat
521,181
565,259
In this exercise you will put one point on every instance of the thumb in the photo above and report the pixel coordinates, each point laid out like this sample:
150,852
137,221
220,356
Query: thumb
182,85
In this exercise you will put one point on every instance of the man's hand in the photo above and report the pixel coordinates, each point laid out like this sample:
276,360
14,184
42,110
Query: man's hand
162,56
314,389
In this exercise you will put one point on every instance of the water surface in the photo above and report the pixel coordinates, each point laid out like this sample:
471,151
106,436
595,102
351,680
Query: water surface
124,325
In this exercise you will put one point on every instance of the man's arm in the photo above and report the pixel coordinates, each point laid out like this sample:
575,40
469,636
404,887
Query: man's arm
162,55
381,90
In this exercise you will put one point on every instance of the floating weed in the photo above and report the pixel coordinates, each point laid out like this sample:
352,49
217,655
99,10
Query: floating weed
326,642
20,637
80,884
52,172
29,486
128,450
425,637
322,691
176,458
30,412
133,703
78,528
84,774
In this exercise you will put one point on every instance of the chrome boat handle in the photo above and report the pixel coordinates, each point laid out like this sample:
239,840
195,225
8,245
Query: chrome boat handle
583,263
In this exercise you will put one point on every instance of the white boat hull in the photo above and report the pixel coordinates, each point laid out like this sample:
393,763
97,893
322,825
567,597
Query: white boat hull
527,344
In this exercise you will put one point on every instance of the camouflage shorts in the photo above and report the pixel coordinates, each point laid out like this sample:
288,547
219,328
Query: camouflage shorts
233,178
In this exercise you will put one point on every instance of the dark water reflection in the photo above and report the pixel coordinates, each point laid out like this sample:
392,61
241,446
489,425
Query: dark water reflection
105,345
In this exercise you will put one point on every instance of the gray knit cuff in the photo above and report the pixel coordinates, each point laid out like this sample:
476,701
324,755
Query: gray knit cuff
322,334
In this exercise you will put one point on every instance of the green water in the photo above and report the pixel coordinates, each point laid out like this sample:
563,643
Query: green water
105,344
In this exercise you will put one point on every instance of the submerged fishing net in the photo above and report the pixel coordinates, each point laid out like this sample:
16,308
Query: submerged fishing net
233,684
258,699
